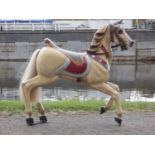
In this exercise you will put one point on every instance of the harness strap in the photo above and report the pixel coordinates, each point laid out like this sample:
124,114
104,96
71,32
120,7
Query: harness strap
94,53
112,32
78,79
114,46
105,52
97,58
100,60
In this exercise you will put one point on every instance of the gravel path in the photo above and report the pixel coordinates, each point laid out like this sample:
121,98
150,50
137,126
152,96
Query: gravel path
80,123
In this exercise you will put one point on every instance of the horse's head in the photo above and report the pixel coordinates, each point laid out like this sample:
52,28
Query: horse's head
111,33
119,36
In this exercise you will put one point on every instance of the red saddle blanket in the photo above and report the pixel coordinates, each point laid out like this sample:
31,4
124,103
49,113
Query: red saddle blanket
77,66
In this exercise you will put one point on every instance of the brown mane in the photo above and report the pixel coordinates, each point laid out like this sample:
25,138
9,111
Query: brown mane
97,38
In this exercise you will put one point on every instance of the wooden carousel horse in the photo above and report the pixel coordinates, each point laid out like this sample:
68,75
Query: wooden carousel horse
91,68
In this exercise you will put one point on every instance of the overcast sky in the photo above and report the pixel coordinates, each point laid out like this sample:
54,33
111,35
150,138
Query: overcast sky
52,9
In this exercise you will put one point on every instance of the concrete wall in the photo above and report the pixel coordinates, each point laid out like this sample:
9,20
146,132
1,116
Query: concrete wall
21,44
63,36
126,75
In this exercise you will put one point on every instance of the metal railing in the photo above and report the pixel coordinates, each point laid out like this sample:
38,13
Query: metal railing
6,25
31,26
57,25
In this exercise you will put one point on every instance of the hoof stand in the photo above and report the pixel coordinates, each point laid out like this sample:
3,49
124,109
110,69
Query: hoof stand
102,110
29,121
118,120
43,119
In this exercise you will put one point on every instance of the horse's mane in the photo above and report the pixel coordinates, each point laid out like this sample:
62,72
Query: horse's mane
97,38
94,45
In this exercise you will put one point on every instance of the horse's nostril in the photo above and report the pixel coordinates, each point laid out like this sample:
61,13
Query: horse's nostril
131,43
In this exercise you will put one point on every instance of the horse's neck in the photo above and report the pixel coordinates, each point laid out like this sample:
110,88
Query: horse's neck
106,44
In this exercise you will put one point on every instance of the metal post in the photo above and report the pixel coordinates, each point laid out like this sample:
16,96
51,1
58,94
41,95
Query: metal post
137,23
136,52
32,27
6,26
136,58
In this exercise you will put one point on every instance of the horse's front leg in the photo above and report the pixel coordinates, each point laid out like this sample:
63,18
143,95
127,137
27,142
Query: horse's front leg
112,90
110,102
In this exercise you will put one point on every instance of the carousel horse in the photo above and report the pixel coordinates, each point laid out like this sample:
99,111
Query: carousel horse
91,68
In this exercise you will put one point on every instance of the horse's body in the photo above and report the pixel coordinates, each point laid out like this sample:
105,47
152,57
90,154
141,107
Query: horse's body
92,68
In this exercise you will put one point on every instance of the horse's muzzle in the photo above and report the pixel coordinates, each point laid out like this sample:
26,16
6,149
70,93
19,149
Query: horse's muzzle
132,43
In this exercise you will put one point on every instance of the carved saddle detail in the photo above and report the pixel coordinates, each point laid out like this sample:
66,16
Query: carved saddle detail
77,65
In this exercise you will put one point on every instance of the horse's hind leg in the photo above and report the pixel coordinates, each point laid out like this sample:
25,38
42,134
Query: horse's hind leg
109,90
36,98
28,87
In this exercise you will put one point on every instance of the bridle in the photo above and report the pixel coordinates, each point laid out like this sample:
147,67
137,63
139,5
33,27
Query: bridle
104,50
120,40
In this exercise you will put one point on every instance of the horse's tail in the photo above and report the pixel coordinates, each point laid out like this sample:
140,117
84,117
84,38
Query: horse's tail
30,72
50,43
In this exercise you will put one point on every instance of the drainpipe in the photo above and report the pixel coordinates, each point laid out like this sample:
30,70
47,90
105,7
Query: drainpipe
137,23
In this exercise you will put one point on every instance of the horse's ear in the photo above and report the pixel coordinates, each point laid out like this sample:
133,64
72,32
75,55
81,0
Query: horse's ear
118,22
101,30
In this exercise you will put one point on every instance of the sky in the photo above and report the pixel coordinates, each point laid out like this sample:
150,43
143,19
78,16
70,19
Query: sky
76,9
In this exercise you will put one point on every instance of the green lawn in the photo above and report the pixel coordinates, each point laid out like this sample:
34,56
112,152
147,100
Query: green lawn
74,105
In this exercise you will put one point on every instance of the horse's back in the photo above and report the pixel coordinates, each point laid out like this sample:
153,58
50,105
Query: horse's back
49,59
60,61
73,54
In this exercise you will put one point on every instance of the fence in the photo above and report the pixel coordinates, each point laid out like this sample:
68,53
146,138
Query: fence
57,25
6,25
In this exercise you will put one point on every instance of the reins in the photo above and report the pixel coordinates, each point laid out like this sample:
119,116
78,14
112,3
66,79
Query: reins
114,46
95,55
112,32
105,52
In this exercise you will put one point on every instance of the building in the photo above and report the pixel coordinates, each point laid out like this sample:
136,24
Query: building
78,24
58,24
145,24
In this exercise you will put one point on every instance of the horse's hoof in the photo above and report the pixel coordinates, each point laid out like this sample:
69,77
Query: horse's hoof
102,110
43,119
118,120
29,121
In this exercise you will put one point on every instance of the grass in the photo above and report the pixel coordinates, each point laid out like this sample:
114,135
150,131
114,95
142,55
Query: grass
74,105
11,106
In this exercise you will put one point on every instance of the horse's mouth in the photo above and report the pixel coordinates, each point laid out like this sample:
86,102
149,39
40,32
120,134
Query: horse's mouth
124,47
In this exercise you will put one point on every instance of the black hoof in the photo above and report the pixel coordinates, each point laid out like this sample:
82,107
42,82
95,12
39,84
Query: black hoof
29,121
43,119
118,120
102,110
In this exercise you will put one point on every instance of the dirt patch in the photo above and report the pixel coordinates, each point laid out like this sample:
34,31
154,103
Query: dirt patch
80,123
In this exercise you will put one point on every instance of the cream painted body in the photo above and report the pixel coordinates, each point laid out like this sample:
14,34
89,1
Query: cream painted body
50,59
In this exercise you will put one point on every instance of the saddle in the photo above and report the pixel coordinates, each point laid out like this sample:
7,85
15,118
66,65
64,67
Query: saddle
77,65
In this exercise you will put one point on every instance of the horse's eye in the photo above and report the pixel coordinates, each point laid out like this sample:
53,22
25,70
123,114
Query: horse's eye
120,31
